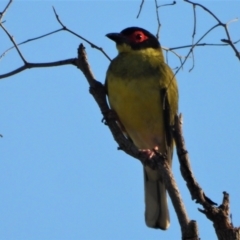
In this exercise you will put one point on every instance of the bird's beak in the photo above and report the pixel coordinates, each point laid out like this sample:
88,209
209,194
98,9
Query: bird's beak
117,37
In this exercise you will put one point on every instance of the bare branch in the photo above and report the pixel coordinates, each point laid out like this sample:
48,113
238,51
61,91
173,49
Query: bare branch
157,14
64,28
75,34
229,41
218,215
39,65
29,40
192,47
5,10
12,40
193,35
140,9
205,44
176,54
207,10
163,5
167,4
158,20
225,26
71,61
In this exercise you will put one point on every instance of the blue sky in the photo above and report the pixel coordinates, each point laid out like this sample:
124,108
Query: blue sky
61,175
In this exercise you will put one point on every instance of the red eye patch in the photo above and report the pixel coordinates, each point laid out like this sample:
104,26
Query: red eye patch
137,37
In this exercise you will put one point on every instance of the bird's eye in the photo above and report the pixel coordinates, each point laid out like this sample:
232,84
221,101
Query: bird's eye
138,37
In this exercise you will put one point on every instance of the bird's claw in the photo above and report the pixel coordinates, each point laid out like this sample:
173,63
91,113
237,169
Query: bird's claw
149,153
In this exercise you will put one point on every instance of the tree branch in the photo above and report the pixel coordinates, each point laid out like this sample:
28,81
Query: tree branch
224,25
5,10
140,8
158,20
12,40
193,35
218,215
30,40
64,28
75,34
72,61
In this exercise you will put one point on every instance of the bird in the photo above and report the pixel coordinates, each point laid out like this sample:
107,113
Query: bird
143,92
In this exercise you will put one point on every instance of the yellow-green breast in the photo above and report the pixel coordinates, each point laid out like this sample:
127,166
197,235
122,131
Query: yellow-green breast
134,83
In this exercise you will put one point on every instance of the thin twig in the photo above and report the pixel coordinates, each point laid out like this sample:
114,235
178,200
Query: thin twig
29,40
157,14
14,43
75,34
5,10
207,10
193,46
229,40
39,65
204,44
224,25
140,9
176,54
158,20
193,35
167,4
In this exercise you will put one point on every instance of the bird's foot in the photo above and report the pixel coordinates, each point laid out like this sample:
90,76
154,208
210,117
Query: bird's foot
149,153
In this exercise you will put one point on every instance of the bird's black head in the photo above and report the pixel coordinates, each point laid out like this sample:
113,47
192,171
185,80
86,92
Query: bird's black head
137,38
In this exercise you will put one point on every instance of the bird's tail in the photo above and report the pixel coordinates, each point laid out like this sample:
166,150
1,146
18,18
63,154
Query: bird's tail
156,211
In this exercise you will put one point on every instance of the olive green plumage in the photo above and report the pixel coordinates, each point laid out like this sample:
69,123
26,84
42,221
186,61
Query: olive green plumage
143,92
